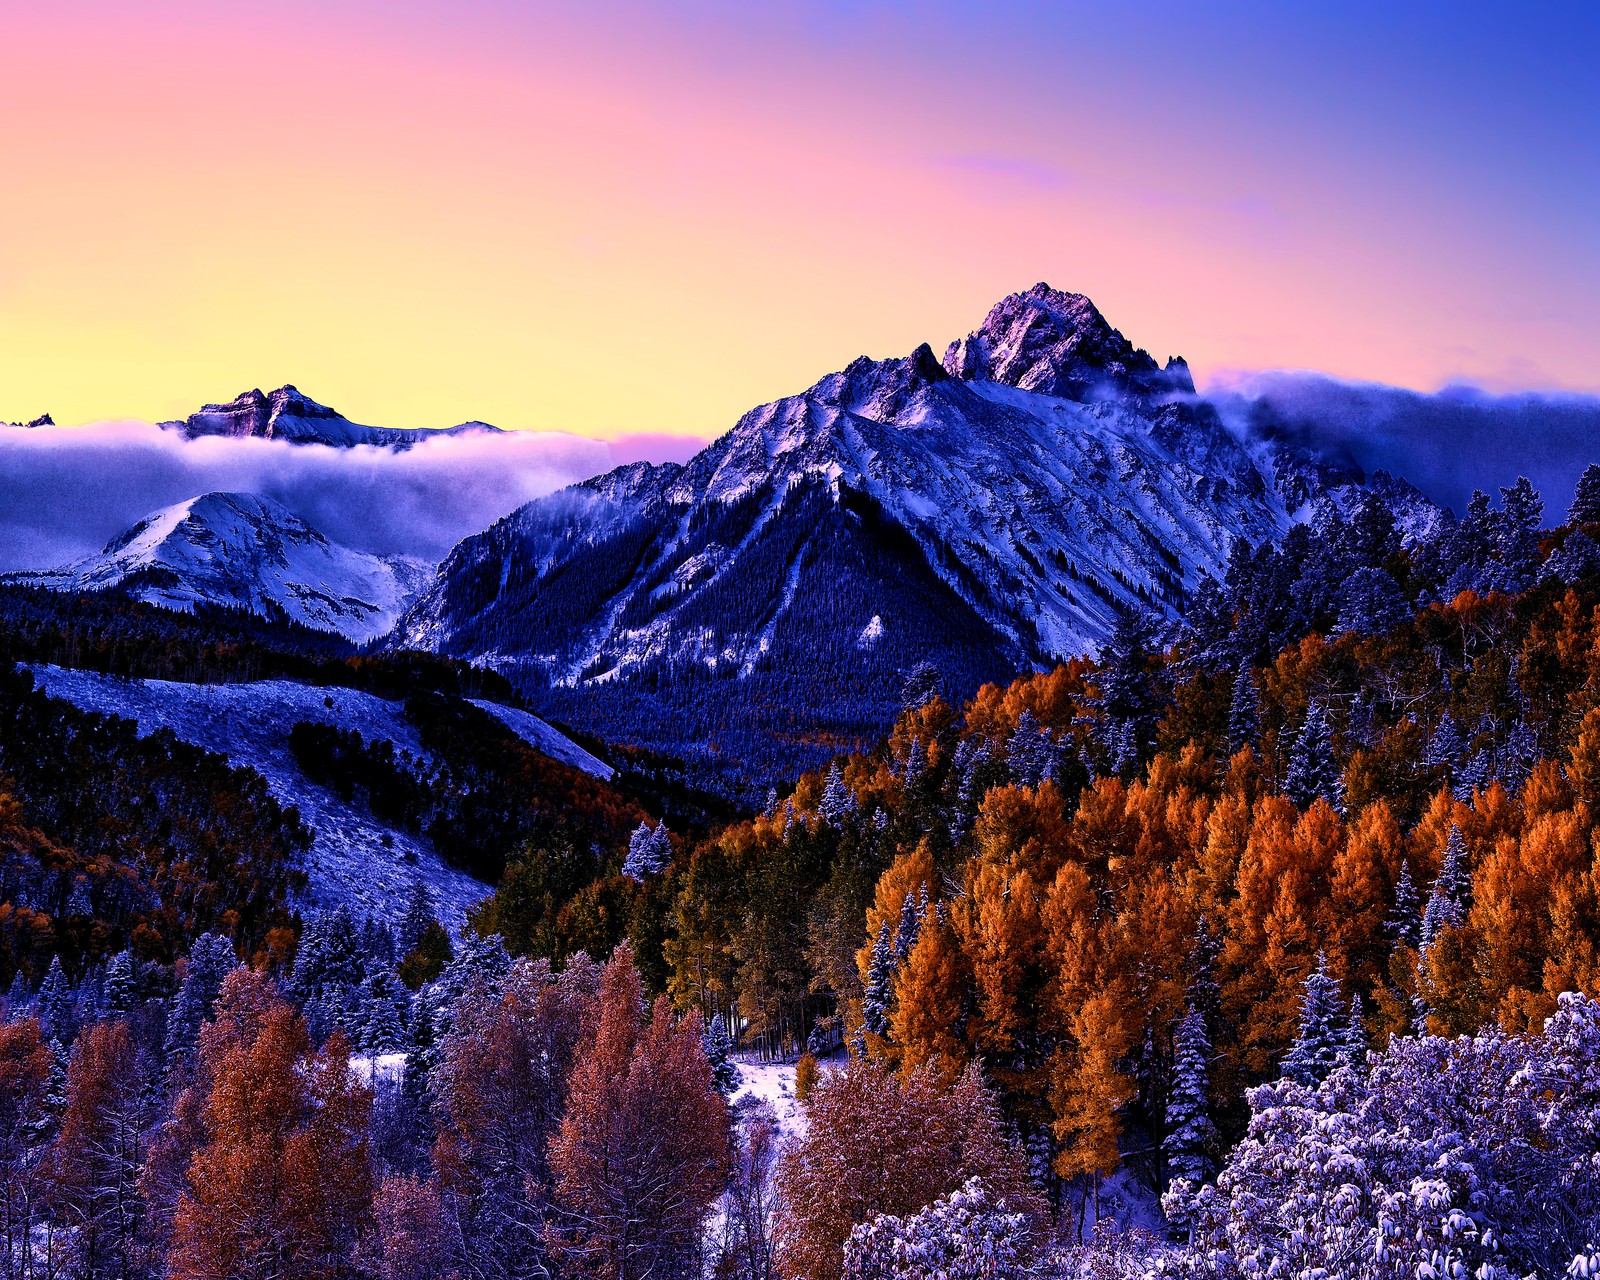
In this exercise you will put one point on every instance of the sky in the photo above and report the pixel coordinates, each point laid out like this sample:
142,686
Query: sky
615,216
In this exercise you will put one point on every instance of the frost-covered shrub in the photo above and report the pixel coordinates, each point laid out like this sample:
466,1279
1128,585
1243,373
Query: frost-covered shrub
962,1236
1475,1156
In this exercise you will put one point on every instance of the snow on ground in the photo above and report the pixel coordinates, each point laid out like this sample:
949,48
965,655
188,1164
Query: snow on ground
773,1083
386,1068
536,733
354,859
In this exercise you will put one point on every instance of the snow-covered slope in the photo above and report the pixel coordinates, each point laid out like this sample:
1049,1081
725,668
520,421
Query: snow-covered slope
354,859
286,414
252,553
994,510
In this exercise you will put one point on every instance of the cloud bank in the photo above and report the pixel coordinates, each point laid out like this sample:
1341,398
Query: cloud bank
1447,443
66,491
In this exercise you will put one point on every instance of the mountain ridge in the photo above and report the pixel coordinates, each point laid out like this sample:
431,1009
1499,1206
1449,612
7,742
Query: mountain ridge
288,414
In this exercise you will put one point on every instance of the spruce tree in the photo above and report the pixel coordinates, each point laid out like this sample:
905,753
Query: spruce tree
1353,1035
1316,1047
1404,924
1191,1137
838,800
880,984
414,923
1452,890
1313,769
55,1003
718,1047
18,995
120,991
1585,507
649,851
1244,716
905,936
210,959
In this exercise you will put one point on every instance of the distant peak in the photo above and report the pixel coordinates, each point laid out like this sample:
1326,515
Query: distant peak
43,420
1057,343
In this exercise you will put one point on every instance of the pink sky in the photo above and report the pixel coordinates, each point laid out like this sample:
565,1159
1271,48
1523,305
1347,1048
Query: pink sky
628,217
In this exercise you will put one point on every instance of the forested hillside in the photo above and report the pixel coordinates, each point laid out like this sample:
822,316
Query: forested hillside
1267,942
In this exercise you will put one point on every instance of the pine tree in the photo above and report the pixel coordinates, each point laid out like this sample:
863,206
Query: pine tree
1449,898
1585,507
418,916
1516,543
1244,716
1315,1051
1404,924
649,851
1313,770
210,959
1353,1035
1191,1137
905,936
880,984
838,800
120,991
56,1003
18,996
718,1047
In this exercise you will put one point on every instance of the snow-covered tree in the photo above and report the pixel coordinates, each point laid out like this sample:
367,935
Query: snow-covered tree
718,1047
1585,507
912,909
1244,715
1352,1031
965,1235
1452,890
1404,922
838,800
419,914
649,851
1315,1051
120,990
880,983
1030,752
1313,769
210,958
1371,603
55,1003
1191,1137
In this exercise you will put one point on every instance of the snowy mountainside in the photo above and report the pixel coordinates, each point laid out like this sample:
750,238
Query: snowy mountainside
354,859
990,512
249,552
288,414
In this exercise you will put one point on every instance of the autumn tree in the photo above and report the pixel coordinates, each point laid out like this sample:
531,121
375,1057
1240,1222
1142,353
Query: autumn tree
878,1144
281,1187
97,1155
24,1078
642,1151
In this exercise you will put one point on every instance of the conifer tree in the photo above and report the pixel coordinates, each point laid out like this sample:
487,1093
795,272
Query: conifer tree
1404,924
649,851
838,800
18,996
1313,770
1585,507
1353,1035
120,991
1244,716
56,1003
210,959
1191,1140
905,936
718,1047
419,914
1449,898
880,984
1323,1015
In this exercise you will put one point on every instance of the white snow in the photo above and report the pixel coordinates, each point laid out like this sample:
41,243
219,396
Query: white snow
249,552
354,858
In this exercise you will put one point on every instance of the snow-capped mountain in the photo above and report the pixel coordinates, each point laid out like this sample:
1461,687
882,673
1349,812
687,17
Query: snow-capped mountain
987,512
249,552
286,414
1046,475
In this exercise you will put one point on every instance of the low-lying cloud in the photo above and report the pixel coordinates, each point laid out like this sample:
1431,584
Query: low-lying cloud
1447,443
66,491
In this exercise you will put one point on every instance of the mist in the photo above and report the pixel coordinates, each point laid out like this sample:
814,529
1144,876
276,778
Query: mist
67,491
1447,443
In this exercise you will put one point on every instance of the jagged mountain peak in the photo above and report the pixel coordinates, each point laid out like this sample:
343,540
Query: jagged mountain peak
43,420
288,414
1059,344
